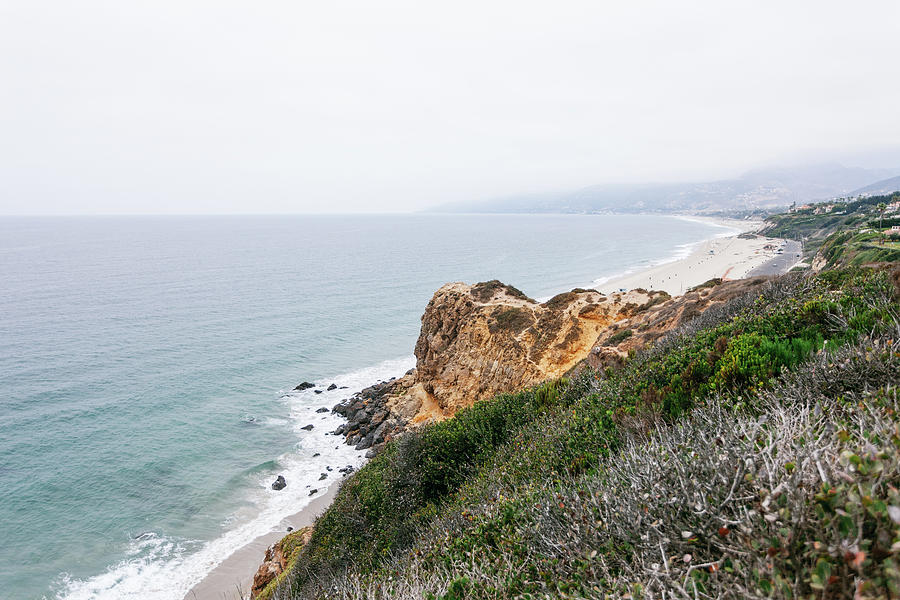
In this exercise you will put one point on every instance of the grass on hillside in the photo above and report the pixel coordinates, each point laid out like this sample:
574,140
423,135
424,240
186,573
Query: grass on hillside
858,248
691,472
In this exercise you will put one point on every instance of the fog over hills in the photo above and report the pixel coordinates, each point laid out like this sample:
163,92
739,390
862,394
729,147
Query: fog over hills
756,190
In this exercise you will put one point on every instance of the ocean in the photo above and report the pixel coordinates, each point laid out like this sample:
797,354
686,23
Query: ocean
147,367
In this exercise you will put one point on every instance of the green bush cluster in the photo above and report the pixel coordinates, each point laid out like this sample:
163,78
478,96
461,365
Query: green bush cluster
619,336
379,508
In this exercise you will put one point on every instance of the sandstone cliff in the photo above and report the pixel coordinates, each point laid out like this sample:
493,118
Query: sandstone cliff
478,341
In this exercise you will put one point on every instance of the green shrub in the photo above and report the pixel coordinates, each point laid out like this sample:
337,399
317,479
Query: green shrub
620,336
513,319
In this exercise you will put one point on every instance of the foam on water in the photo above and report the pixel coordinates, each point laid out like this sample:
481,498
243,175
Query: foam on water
158,567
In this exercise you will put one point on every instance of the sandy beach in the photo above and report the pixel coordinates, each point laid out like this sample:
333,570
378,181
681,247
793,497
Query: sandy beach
730,257
233,578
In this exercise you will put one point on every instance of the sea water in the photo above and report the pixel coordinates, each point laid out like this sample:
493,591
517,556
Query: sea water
147,367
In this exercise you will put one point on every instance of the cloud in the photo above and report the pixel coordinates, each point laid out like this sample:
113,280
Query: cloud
196,107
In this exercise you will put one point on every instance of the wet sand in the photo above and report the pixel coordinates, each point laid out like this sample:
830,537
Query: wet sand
233,578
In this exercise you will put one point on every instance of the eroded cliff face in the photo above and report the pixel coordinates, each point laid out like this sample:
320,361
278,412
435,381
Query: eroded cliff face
481,340
478,341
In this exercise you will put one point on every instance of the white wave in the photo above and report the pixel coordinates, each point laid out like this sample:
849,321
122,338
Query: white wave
161,568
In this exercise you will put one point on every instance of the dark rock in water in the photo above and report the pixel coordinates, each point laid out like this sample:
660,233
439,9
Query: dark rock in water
279,483
323,476
333,386
327,468
343,387
370,423
322,410
313,491
305,386
366,442
307,427
360,416
290,529
318,391
317,454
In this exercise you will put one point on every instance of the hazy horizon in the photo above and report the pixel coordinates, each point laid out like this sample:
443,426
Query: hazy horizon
297,108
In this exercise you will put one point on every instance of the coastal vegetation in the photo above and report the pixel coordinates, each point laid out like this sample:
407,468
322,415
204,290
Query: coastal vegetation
846,229
752,452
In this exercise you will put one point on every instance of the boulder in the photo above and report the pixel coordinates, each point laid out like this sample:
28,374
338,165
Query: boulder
278,558
279,483
333,386
307,427
304,386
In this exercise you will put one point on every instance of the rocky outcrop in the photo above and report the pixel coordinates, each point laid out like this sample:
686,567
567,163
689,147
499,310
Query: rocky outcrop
819,262
371,422
481,340
278,557
478,341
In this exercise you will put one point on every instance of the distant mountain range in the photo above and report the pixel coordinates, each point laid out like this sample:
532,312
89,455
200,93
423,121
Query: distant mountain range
759,190
880,188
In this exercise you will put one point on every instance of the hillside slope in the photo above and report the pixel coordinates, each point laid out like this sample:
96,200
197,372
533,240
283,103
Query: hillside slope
883,187
841,233
752,452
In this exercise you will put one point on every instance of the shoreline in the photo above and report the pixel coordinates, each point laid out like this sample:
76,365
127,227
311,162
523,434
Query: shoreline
726,256
232,579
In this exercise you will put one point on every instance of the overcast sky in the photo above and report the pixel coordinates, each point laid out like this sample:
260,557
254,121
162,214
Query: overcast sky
333,106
